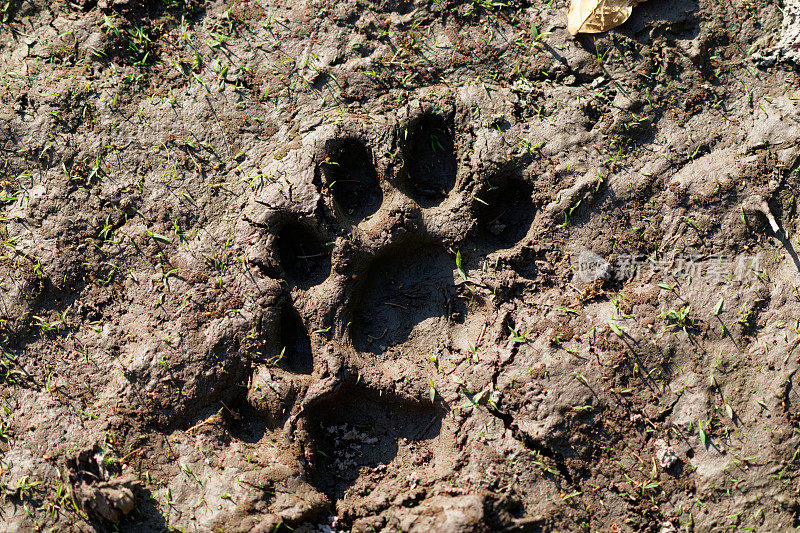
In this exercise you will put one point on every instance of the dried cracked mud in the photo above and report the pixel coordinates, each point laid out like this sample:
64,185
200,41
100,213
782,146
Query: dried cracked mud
398,266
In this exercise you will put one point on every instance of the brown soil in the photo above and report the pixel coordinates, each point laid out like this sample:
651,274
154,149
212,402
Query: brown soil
397,266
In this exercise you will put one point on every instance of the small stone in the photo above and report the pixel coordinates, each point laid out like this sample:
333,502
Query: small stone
665,455
667,527
498,118
597,82
495,398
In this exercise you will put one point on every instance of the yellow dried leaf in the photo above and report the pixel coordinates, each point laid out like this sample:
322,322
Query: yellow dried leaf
595,16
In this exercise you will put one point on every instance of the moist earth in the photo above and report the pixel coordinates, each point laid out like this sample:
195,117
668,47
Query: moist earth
398,266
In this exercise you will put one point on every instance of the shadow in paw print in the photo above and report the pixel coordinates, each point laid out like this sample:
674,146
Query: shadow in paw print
305,259
503,212
357,432
294,342
430,160
146,516
400,290
351,177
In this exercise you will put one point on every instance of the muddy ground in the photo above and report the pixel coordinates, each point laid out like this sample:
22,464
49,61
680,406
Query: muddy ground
414,265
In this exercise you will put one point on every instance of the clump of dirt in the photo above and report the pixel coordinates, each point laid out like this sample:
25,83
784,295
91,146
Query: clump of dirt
430,265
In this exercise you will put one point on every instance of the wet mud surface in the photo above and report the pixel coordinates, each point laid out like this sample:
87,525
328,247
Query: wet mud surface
382,266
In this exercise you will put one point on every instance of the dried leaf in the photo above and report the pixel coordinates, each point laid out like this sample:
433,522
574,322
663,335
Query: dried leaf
596,16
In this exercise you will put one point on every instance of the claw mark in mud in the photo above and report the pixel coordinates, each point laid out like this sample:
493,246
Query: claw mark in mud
358,431
350,175
305,259
401,289
504,211
430,160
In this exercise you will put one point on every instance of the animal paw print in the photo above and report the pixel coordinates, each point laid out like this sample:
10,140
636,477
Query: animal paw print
364,235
